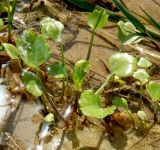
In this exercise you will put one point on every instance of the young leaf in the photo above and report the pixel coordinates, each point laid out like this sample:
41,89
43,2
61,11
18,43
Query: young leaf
52,28
120,102
144,63
127,33
97,19
49,117
153,90
90,105
33,88
32,49
58,70
11,50
141,75
1,24
122,64
79,71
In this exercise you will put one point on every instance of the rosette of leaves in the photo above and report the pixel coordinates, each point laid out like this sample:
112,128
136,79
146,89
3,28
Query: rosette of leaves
52,28
90,105
122,64
32,49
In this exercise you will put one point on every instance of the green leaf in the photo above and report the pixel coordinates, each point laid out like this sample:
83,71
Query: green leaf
49,117
90,105
1,24
52,28
144,63
11,50
28,76
33,88
58,70
153,90
79,71
97,19
142,115
32,49
122,64
127,33
141,75
120,102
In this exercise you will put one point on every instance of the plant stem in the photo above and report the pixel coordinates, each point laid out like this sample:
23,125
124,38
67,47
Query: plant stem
9,20
63,63
92,36
130,114
49,98
90,45
10,17
106,83
155,105
62,53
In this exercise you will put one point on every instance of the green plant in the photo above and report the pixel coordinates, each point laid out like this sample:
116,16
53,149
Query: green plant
96,20
141,74
11,11
52,29
153,90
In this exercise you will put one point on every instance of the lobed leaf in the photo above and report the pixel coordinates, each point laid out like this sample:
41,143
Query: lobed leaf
32,49
90,105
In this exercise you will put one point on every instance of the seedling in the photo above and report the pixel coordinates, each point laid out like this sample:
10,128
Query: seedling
127,34
96,20
142,75
52,29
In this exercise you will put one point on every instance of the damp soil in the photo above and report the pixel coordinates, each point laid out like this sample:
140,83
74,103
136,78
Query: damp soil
24,124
